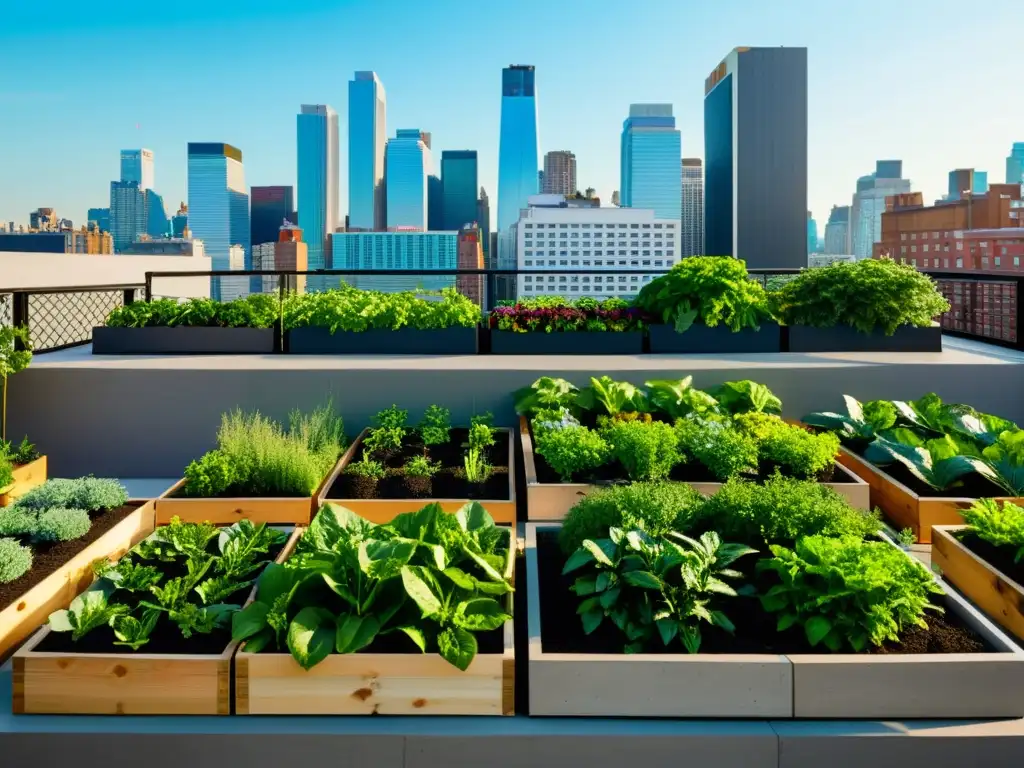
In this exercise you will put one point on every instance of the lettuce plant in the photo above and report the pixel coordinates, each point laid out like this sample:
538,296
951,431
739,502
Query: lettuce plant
939,463
861,423
746,396
1001,524
611,397
350,309
254,311
1005,457
546,393
677,399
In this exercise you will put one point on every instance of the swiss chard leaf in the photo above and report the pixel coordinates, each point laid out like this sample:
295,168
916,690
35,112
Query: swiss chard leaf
311,636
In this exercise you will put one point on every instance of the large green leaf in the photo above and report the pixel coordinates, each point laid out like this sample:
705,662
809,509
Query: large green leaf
473,517
457,647
480,614
744,396
250,620
385,559
311,636
417,525
355,632
422,587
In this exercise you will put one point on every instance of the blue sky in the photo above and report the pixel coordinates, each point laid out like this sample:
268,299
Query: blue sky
927,81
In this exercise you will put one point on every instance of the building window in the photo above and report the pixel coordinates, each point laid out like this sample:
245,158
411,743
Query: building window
1016,261
598,279
959,263
913,249
562,279
925,248
575,262
622,278
598,226
529,226
903,235
657,262
586,278
599,262
935,235
646,263
998,261
563,262
551,262
563,226
623,226
575,226
575,288
598,253
529,262
945,263
563,235
528,279
984,262
903,249
959,245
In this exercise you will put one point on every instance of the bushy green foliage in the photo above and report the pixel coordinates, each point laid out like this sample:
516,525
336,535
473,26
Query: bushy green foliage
845,591
254,311
706,290
1001,524
799,452
436,425
89,493
22,453
572,450
15,560
212,474
869,294
678,398
421,466
17,521
546,393
781,510
656,508
62,524
366,468
746,396
611,397
352,309
1006,457
716,443
648,451
388,431
6,473
12,360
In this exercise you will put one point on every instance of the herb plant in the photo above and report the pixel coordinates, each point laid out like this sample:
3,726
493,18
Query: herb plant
554,314
6,473
12,360
1001,524
716,443
648,451
435,426
572,451
366,468
254,311
22,453
15,560
421,466
89,493
350,309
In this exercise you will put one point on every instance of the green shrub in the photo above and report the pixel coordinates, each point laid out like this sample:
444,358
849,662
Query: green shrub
421,466
15,560
799,452
846,591
62,524
366,468
352,309
869,294
657,508
89,493
718,445
781,510
22,453
6,473
572,450
253,311
481,435
435,425
648,451
1001,524
17,521
210,475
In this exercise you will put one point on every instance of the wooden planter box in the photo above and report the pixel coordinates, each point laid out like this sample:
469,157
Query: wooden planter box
273,511
182,340
806,686
567,343
384,510
26,477
404,341
20,619
844,338
999,596
125,683
379,683
552,501
902,505
700,339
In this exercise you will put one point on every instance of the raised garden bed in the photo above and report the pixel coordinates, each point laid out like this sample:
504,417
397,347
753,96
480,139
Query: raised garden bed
379,501
760,672
549,499
844,338
404,341
720,339
567,343
987,577
175,676
26,477
182,340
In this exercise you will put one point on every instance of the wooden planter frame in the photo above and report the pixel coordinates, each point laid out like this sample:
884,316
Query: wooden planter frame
803,686
995,593
380,683
903,506
552,501
26,477
296,510
126,683
385,510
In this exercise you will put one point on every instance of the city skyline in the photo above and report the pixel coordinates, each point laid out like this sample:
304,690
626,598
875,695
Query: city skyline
580,108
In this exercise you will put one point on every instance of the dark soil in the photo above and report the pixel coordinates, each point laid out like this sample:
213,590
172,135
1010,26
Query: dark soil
448,483
755,629
47,558
973,487
1000,558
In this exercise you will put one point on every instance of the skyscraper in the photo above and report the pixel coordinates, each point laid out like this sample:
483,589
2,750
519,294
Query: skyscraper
483,217
157,223
101,216
317,141
137,166
559,173
459,183
179,222
218,205
837,231
269,207
408,166
367,136
519,147
869,204
128,213
435,202
691,238
1015,164
651,151
812,234
967,180
755,144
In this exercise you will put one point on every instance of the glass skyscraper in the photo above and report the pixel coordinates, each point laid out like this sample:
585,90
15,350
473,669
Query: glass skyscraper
128,213
367,136
218,205
317,144
519,148
137,166
101,216
650,157
356,251
269,207
1015,164
408,166
967,180
459,180
157,223
691,239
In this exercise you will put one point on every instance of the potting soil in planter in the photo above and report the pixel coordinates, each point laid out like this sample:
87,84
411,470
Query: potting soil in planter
562,631
47,558
1000,558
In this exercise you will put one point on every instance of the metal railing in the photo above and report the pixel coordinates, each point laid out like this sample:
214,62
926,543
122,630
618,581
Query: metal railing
58,318
983,305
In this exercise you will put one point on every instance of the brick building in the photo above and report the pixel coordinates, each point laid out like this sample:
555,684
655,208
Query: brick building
471,256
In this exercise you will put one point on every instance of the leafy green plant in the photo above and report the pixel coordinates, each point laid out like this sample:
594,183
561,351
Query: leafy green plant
12,360
1001,524
649,587
421,466
938,463
847,591
435,425
869,295
746,396
613,397
366,468
128,575
6,473
546,393
212,474
23,453
89,493
716,443
253,311
62,525
89,611
799,452
353,310
647,451
15,560
476,466
1006,459
861,423
572,451
132,632
707,290
906,538
677,399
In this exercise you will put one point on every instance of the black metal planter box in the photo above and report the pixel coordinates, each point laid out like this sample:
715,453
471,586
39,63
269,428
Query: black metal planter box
717,340
182,340
844,338
405,341
567,343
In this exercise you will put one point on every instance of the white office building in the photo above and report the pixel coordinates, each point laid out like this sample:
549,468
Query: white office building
554,236
235,287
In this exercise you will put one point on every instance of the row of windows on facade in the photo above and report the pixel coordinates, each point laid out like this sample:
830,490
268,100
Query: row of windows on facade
634,236
934,262
586,278
598,262
960,246
599,226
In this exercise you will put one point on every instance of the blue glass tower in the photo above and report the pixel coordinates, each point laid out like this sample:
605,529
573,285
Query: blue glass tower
518,149
460,183
101,216
651,153
157,223
367,137
317,133
408,166
1015,164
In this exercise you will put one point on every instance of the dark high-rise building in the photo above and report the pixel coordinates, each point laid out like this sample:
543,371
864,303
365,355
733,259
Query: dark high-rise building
755,139
269,207
459,185
483,218
889,169
101,216
435,204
